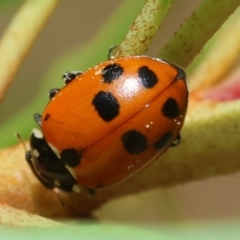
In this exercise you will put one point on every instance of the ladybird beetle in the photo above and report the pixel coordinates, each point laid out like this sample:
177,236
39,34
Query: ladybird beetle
108,123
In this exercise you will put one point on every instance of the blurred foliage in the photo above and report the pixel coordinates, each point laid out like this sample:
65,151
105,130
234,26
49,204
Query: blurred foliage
8,4
187,231
78,58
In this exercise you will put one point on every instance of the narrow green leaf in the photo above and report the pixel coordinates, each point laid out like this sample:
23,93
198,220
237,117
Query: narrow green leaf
193,34
144,28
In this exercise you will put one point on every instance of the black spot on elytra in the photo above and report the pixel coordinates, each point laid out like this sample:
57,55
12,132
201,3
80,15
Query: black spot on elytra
106,105
147,76
170,108
163,141
111,72
70,157
47,117
134,142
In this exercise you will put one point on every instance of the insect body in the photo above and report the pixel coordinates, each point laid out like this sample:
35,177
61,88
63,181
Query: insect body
108,123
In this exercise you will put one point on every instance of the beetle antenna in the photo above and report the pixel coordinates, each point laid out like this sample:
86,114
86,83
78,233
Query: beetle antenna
19,137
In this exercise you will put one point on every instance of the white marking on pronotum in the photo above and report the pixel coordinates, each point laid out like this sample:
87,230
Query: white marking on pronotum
37,133
35,153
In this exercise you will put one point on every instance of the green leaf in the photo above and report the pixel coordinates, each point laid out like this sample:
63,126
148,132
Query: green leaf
194,33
